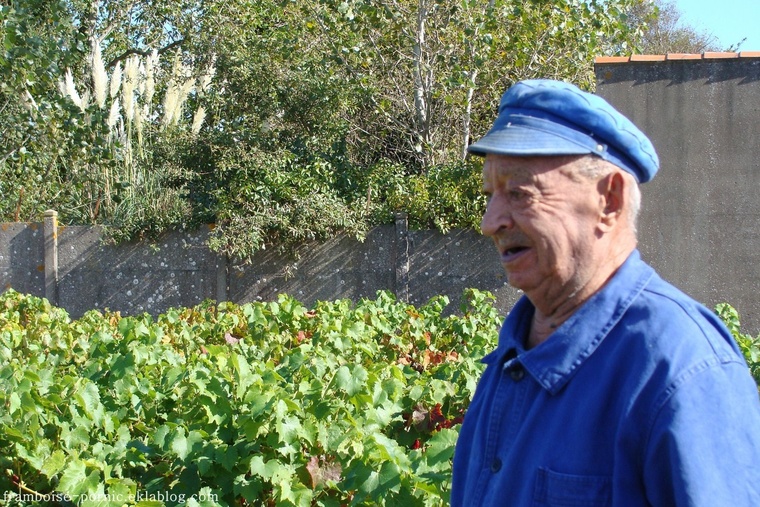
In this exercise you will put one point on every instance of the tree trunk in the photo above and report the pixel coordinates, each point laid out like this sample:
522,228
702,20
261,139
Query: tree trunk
468,114
420,84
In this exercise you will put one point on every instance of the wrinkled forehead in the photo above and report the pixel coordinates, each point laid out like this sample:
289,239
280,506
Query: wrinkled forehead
526,168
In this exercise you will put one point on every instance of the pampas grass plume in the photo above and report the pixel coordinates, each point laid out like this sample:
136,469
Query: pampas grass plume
129,85
200,115
99,75
113,115
116,80
70,89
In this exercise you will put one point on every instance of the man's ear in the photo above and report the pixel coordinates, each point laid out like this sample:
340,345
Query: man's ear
612,193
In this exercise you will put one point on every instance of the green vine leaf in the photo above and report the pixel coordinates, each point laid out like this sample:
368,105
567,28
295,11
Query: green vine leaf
294,413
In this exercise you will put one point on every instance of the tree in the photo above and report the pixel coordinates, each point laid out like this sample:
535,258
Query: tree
320,117
435,70
38,41
665,32
87,146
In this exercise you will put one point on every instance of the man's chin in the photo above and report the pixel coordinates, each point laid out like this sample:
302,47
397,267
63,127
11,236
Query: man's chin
521,271
519,280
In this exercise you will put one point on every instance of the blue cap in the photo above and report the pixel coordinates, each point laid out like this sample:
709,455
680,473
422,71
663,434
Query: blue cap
541,117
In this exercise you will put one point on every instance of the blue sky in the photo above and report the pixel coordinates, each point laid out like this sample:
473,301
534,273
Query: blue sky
729,20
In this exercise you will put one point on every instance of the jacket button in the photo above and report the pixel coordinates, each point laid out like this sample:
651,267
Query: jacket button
517,372
496,465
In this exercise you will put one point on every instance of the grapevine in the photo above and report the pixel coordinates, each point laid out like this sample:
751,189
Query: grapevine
234,405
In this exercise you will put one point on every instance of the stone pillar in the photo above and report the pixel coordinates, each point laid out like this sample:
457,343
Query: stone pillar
402,257
222,278
50,233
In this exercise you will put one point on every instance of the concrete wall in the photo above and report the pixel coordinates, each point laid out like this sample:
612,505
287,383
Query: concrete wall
22,262
700,223
699,226
179,270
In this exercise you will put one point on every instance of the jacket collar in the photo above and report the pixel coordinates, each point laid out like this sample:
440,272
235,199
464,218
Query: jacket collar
554,362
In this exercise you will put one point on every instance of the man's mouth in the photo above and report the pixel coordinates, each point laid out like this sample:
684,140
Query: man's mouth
512,253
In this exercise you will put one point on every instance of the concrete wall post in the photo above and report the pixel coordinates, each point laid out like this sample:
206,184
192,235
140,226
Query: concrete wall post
402,257
222,278
50,233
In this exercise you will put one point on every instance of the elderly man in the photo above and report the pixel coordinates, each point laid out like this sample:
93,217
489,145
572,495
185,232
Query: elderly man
608,386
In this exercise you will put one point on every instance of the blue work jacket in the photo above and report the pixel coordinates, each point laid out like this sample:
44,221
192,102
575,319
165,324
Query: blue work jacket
640,398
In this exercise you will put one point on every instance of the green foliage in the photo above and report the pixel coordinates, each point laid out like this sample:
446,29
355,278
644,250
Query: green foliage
443,198
38,41
749,346
260,404
322,118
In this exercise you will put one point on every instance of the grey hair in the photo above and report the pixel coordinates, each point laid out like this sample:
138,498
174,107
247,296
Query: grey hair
594,168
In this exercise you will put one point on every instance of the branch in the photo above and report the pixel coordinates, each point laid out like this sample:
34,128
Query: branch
141,52
14,150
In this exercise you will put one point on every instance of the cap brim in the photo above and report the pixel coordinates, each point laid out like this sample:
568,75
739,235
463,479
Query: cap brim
521,142
521,136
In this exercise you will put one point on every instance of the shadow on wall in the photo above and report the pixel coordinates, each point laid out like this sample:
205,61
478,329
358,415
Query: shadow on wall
449,264
132,278
678,72
416,266
180,271
22,258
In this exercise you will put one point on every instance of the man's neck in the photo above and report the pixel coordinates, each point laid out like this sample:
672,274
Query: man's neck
547,318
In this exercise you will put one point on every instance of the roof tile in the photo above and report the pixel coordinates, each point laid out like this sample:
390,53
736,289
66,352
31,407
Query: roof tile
683,56
647,58
711,55
720,54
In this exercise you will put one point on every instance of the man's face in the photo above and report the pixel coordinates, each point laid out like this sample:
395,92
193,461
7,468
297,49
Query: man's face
543,221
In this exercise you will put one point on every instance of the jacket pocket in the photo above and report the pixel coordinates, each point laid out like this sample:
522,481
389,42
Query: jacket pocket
554,489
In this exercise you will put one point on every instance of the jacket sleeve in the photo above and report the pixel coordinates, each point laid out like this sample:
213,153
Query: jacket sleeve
703,447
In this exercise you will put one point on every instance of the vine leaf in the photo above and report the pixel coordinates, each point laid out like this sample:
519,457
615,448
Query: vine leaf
54,463
350,381
75,480
322,471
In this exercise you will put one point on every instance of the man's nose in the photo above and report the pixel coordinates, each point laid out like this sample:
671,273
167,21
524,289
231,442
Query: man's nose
496,217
